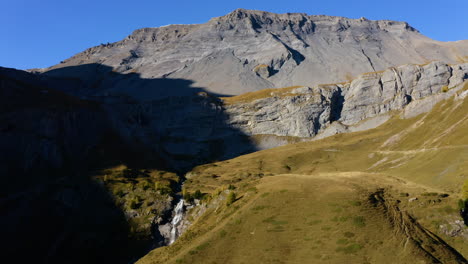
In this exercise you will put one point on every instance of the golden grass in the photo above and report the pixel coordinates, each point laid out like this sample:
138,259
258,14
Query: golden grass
290,218
462,59
258,67
374,73
252,96
307,202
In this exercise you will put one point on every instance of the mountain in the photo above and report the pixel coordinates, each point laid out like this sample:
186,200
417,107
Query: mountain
169,136
248,50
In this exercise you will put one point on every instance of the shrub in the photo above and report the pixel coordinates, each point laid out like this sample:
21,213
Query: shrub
135,203
465,191
197,195
231,198
223,233
119,193
353,248
163,189
444,89
145,185
462,204
186,195
342,241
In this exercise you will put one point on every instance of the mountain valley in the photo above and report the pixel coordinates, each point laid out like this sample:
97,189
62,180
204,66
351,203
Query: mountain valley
253,138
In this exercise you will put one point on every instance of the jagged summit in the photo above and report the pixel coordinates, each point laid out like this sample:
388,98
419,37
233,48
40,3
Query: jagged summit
241,13
248,50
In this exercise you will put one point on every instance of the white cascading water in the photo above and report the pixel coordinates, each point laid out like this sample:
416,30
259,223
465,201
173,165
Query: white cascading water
179,213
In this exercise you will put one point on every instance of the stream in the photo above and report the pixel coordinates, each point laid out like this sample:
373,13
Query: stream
176,220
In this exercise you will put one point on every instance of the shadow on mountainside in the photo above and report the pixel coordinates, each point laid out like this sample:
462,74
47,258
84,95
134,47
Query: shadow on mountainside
59,128
100,80
183,124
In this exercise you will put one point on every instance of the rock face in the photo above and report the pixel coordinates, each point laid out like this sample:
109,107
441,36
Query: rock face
305,112
42,129
185,130
249,50
300,113
186,126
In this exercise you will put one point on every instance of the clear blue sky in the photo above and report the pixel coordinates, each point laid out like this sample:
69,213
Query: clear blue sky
41,33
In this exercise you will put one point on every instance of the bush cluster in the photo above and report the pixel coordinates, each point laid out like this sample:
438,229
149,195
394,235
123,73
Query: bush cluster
463,203
231,198
198,195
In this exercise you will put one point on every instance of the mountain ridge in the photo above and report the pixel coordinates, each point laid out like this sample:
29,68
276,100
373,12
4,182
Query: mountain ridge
125,131
245,51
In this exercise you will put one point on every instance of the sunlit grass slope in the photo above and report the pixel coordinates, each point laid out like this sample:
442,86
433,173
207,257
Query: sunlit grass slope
377,196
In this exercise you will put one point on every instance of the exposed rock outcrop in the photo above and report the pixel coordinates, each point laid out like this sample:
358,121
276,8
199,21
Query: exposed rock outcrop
360,104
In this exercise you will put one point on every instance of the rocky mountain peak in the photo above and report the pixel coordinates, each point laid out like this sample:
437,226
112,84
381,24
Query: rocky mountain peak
248,50
261,19
241,13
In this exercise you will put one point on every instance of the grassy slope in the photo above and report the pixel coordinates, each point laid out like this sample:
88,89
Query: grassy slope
264,93
309,202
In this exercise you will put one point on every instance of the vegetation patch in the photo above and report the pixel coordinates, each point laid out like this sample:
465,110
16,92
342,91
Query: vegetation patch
231,198
342,241
261,94
351,249
314,222
259,207
222,233
429,194
272,220
359,221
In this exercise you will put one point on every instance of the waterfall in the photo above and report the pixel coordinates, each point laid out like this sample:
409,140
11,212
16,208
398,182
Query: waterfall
179,213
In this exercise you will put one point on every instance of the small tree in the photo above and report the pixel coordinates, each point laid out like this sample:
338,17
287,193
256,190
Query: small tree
465,191
231,198
186,195
197,195
463,203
